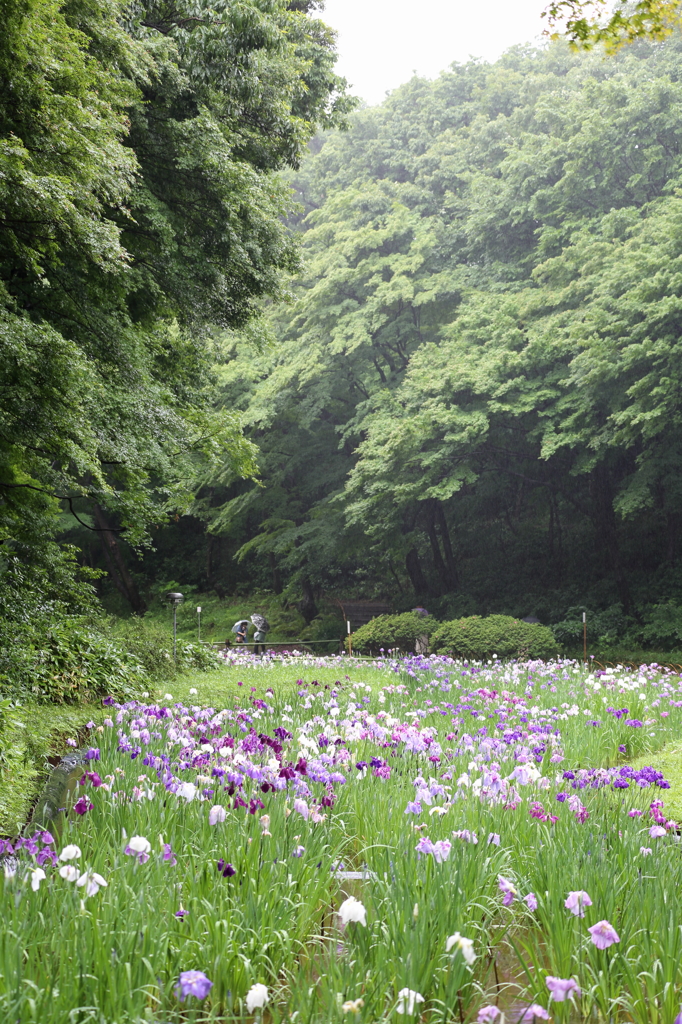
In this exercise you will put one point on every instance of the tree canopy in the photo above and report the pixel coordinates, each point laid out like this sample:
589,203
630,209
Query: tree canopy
140,210
472,399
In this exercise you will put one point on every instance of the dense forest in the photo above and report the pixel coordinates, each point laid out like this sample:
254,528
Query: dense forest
472,397
141,214
252,340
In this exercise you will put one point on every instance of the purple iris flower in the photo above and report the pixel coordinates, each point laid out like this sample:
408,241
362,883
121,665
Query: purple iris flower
561,988
92,754
226,869
82,806
603,934
168,854
193,983
44,856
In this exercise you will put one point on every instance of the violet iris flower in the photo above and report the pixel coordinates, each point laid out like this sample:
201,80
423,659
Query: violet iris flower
561,988
531,1012
577,901
603,934
508,889
193,983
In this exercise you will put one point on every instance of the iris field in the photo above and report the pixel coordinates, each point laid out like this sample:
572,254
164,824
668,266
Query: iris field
332,840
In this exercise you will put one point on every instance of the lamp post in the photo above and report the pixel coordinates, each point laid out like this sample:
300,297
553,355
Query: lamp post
175,600
199,618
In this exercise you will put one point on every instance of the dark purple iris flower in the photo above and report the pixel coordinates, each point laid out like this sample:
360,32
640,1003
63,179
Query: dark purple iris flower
44,856
226,869
82,805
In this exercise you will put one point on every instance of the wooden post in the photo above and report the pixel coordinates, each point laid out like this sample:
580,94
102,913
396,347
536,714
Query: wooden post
350,642
585,637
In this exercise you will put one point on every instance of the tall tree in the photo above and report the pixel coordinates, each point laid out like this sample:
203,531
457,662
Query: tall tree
138,209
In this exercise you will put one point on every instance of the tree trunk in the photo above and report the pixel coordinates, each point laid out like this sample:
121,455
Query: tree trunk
276,575
672,523
447,547
416,574
434,515
607,527
209,560
306,605
118,570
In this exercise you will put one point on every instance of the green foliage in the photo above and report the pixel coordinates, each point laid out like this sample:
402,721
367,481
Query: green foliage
32,739
585,26
18,777
473,401
476,638
604,628
658,629
139,208
152,645
662,627
405,632
66,662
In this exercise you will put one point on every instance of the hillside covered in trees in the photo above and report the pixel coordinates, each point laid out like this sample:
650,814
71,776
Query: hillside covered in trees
472,398
449,371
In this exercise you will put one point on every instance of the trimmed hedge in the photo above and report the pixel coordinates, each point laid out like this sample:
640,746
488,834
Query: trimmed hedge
405,632
476,638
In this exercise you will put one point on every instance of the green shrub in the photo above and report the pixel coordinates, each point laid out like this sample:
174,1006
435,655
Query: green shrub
152,645
604,628
65,663
662,627
407,632
476,638
197,656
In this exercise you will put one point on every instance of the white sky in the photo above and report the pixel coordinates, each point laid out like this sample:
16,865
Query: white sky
381,42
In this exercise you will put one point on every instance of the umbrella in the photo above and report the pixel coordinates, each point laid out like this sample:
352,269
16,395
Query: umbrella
239,626
261,623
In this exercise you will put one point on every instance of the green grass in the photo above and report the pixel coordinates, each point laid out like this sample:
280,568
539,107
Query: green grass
30,745
215,688
219,615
